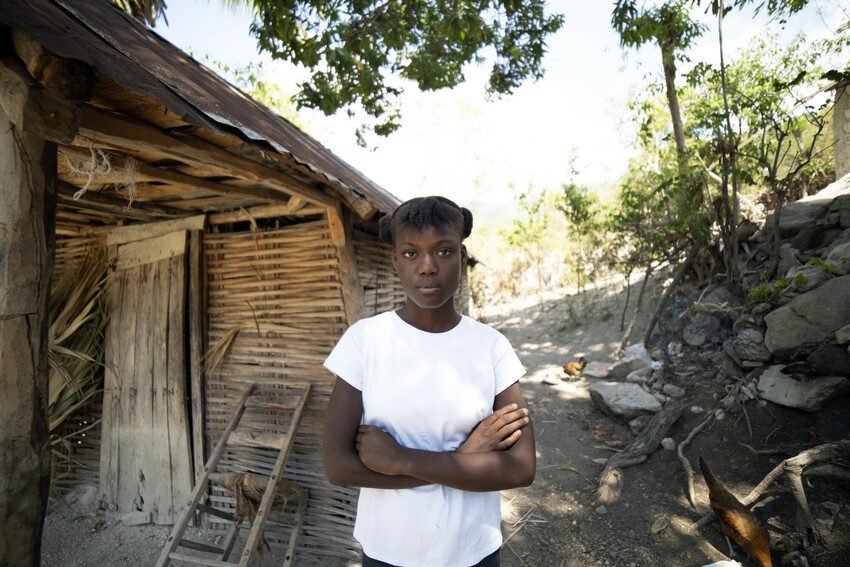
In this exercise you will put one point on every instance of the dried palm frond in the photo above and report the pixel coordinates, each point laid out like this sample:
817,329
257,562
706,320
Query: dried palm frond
75,336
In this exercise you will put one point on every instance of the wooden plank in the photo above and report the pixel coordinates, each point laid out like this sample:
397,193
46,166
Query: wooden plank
152,250
143,172
263,212
174,392
199,546
27,242
199,560
197,340
337,225
135,232
121,203
296,530
102,128
352,290
256,439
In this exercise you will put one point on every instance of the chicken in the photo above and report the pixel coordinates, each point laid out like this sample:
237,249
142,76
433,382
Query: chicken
736,521
574,368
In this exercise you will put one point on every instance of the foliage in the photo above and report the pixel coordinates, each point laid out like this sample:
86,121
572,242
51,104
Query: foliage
528,234
580,209
353,48
146,11
669,24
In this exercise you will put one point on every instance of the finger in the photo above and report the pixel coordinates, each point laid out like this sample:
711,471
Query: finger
515,425
518,415
499,413
510,440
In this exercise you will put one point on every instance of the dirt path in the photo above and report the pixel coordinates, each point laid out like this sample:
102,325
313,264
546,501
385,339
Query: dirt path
557,521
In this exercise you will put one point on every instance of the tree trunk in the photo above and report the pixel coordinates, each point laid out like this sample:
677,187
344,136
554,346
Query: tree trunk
677,279
27,219
669,61
628,296
777,241
628,332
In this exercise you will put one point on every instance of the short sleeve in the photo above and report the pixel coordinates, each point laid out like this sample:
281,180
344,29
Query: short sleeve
346,358
508,368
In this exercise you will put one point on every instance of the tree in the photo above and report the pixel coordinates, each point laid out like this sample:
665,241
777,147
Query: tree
356,50
579,207
672,28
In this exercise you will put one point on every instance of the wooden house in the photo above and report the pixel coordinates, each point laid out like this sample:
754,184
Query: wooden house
224,224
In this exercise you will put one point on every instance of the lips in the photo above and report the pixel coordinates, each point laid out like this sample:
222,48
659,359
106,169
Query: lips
428,288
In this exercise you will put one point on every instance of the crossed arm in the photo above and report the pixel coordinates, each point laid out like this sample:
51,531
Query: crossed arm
499,453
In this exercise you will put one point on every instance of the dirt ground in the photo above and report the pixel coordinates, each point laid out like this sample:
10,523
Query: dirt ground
557,521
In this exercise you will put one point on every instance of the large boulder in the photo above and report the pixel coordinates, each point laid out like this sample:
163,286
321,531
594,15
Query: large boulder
810,318
808,210
622,401
596,369
798,392
635,357
701,328
748,344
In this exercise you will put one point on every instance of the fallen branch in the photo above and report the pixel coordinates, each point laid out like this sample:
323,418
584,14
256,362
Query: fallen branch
830,452
686,464
610,480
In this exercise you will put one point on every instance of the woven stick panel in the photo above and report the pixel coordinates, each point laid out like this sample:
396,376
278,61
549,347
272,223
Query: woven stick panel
382,289
72,249
79,463
277,296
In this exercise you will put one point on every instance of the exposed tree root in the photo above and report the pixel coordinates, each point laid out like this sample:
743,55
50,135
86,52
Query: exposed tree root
689,471
835,462
611,478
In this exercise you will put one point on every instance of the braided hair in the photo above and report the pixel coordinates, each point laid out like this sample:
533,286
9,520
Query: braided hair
426,212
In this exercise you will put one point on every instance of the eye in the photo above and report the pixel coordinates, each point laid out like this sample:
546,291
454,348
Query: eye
446,252
408,253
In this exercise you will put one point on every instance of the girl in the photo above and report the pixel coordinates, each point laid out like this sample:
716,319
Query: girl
444,426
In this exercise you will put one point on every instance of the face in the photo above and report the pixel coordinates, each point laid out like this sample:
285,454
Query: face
429,264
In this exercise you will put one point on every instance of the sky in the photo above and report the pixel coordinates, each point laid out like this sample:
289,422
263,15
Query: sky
481,152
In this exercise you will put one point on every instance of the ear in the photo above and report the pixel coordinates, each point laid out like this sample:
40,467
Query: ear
464,255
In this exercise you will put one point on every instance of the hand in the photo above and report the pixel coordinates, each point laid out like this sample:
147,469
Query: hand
496,432
378,450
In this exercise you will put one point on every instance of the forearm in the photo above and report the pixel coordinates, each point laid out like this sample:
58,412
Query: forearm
476,472
347,470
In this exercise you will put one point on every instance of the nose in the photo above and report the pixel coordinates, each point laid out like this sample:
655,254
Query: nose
427,264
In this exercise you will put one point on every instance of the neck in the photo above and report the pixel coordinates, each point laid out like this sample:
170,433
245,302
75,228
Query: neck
437,320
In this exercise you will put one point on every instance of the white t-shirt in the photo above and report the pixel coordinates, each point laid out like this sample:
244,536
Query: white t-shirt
427,390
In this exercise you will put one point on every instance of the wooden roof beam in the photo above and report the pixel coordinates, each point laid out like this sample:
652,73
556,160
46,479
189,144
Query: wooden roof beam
111,203
100,128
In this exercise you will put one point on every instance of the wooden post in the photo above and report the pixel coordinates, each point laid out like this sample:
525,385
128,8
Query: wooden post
27,244
197,340
352,292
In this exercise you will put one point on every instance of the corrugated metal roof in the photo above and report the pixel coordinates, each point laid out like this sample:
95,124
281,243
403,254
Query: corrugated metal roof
114,44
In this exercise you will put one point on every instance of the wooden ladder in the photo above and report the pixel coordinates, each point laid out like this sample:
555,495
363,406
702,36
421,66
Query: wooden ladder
219,556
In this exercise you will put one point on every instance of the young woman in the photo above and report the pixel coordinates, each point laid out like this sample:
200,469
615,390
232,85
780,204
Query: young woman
426,414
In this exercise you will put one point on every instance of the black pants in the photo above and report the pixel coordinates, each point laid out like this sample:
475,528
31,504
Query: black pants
491,560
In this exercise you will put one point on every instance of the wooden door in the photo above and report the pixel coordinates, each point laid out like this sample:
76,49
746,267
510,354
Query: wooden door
146,463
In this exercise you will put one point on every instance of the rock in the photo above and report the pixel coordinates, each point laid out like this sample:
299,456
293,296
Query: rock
803,213
551,380
842,335
747,364
808,238
637,424
719,414
788,257
601,510
674,348
673,391
634,358
700,328
811,276
697,409
730,367
640,376
810,318
622,400
838,212
721,295
661,398
668,443
759,311
823,360
792,392
748,344
598,370
136,518
839,256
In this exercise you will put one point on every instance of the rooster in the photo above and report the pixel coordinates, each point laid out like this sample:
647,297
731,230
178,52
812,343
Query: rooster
574,368
736,521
